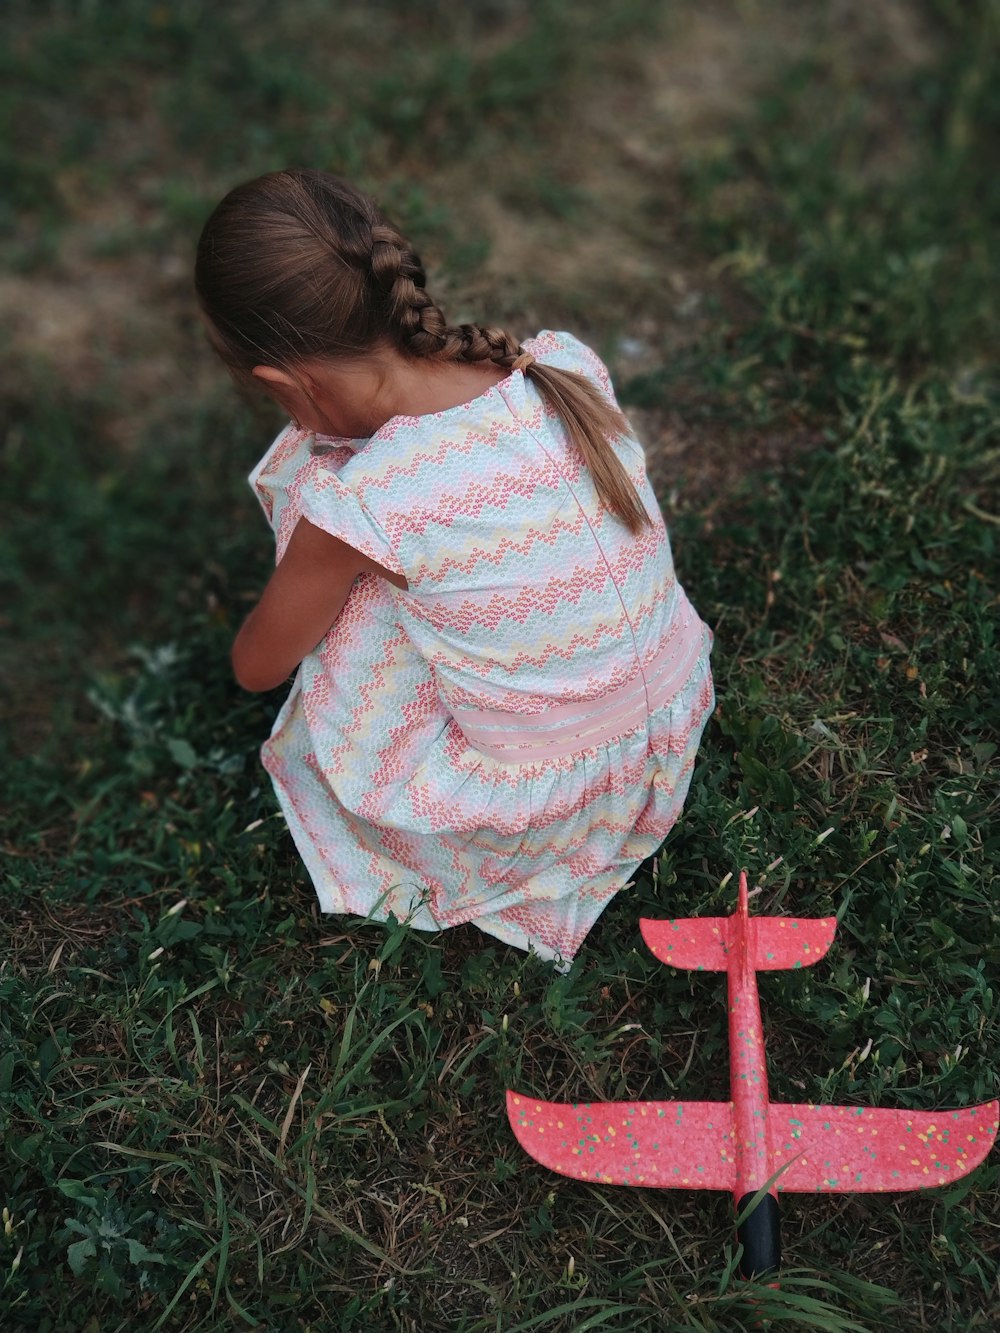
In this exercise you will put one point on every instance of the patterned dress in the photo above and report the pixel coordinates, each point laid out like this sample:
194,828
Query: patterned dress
504,742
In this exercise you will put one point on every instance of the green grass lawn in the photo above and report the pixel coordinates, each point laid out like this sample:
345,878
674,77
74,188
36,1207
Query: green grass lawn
221,1109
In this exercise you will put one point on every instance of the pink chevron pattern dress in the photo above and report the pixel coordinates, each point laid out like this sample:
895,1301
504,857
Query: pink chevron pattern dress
504,742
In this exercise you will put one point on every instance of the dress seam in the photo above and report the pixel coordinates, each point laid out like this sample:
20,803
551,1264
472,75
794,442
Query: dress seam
628,620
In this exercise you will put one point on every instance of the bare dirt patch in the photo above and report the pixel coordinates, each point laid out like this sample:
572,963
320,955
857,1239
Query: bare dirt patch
611,264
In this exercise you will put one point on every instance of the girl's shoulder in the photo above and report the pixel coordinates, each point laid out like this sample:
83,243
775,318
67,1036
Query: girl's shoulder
406,449
558,346
565,351
560,350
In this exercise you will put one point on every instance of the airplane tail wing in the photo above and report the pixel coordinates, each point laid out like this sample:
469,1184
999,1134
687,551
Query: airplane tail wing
698,943
679,1145
867,1149
790,941
706,943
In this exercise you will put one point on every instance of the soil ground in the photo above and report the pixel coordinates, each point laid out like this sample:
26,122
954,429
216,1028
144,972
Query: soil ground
608,253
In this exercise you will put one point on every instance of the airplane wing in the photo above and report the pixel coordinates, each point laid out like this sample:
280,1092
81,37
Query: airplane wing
680,1145
703,943
689,1145
862,1148
700,943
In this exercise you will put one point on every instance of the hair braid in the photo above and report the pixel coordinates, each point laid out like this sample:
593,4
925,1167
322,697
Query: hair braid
417,320
397,275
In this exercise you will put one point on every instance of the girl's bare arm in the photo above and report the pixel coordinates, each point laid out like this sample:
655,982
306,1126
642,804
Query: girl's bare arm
303,598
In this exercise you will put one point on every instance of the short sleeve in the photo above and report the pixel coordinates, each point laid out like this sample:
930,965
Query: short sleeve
275,474
564,351
330,504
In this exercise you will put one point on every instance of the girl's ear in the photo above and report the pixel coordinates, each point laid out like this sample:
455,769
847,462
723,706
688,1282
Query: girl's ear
283,388
272,378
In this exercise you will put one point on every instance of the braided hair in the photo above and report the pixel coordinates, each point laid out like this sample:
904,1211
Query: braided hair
299,264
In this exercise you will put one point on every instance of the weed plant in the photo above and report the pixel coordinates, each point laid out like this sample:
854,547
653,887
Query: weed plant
220,1109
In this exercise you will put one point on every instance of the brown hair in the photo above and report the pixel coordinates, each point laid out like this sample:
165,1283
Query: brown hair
300,264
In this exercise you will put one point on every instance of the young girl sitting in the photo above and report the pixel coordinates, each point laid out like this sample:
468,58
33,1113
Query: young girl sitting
501,686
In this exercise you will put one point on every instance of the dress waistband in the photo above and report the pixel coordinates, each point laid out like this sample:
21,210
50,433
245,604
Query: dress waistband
564,728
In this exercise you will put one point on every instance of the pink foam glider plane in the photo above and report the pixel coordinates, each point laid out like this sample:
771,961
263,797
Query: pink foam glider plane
742,1144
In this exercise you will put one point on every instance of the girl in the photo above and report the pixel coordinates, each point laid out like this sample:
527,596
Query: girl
501,685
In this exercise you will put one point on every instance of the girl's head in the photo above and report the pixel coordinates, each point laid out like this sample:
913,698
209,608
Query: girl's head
299,267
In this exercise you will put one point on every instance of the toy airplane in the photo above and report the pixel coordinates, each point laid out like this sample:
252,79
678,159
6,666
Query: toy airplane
743,1144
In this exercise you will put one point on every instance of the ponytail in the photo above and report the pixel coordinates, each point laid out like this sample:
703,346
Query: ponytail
591,423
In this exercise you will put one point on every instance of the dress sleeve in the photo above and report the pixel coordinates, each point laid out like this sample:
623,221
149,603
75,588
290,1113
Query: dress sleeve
567,352
332,505
275,472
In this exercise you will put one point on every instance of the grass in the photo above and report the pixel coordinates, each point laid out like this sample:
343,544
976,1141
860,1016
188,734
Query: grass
221,1109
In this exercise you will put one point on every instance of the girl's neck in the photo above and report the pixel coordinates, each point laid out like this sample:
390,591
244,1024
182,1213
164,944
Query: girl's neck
356,398
422,387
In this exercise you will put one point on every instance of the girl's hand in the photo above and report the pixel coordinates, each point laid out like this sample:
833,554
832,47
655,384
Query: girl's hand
303,598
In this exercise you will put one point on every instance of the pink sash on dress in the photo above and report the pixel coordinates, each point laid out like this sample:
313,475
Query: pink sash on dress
565,728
